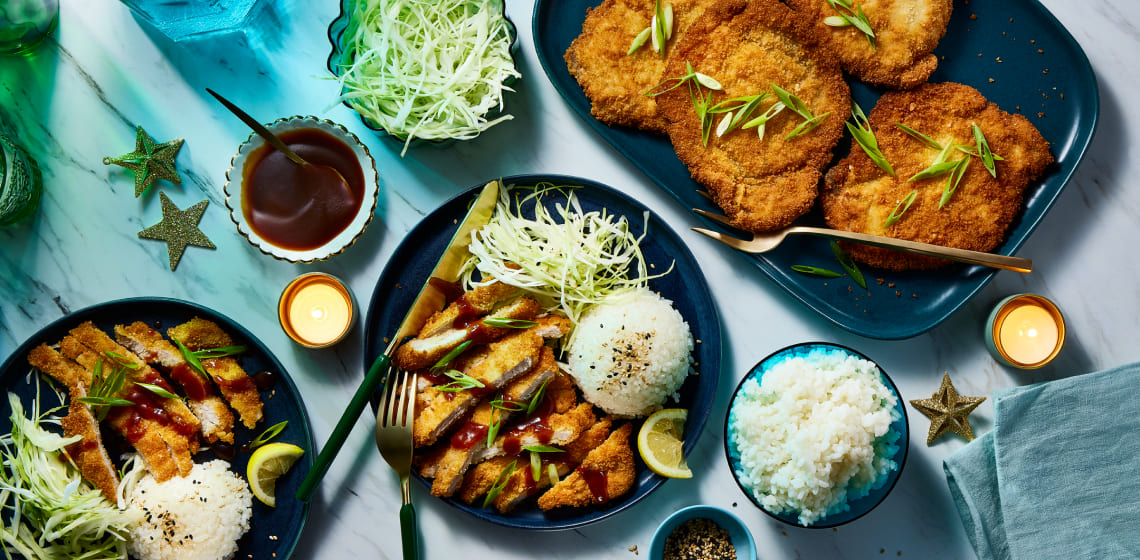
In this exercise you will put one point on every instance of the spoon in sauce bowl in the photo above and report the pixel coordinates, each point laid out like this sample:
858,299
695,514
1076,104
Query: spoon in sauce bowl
280,146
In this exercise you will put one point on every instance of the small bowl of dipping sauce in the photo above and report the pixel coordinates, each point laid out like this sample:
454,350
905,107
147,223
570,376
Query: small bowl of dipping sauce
1025,331
316,310
291,213
705,532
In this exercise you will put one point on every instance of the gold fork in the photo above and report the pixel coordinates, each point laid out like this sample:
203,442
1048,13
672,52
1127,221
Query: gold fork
764,242
394,418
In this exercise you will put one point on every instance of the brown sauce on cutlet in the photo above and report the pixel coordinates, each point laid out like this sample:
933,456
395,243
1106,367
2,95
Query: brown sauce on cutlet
149,406
192,382
537,424
301,207
470,434
597,481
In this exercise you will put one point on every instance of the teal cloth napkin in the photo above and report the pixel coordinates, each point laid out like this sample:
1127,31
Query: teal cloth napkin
1059,474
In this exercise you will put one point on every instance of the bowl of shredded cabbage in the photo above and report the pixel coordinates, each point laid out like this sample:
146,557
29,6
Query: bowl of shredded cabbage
424,70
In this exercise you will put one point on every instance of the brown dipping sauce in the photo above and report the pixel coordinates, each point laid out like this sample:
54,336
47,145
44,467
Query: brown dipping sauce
299,207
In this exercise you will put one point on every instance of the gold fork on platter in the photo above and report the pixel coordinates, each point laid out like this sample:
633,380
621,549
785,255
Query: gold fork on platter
394,417
764,242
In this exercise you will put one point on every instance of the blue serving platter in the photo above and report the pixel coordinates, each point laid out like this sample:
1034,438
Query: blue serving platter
273,532
412,263
1014,52
857,506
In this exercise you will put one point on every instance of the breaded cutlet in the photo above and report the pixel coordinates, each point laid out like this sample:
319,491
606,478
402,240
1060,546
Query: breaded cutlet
859,196
761,183
906,32
613,458
613,80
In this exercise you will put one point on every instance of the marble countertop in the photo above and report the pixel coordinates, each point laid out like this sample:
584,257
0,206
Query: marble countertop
80,96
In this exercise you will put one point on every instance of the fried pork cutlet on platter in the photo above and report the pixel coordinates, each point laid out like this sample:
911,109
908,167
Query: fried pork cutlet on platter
859,196
906,32
761,183
607,471
614,80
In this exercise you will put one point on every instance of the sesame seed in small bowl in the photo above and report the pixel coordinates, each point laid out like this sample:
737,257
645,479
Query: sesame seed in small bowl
302,213
706,532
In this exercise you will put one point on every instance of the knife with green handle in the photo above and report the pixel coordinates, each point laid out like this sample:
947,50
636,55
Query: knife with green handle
430,300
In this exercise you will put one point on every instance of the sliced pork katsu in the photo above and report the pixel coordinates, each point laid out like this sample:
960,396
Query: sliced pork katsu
521,483
480,300
450,466
216,418
438,410
235,384
608,471
427,349
162,430
89,453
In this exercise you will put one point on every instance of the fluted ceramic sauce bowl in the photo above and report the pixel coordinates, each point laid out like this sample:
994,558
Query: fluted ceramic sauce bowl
282,210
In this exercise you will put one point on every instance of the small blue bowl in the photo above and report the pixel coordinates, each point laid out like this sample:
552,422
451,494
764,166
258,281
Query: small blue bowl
737,531
857,506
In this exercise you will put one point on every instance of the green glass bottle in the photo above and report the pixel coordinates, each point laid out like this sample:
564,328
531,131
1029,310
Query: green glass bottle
25,23
20,183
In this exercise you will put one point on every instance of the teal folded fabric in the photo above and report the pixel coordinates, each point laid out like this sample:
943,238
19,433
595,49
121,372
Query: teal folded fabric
1059,474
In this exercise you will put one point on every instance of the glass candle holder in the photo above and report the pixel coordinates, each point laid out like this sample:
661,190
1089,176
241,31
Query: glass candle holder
1025,331
25,23
20,183
316,310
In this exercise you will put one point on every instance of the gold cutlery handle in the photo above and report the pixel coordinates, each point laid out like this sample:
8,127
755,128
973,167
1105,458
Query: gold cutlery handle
991,260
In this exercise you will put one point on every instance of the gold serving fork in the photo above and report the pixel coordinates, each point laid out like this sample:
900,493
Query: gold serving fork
394,418
764,242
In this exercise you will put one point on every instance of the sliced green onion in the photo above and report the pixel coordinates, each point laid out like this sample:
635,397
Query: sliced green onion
461,382
953,180
537,398
454,353
806,126
157,390
269,433
505,323
542,449
658,25
535,465
552,473
430,69
863,135
500,483
190,358
668,20
105,401
930,142
900,209
848,264
984,151
121,360
639,41
221,352
814,271
493,428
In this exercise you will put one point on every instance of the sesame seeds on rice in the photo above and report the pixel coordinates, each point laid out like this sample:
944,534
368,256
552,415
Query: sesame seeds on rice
197,517
631,354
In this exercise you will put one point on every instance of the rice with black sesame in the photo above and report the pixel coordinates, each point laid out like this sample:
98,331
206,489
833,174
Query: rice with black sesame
630,354
197,517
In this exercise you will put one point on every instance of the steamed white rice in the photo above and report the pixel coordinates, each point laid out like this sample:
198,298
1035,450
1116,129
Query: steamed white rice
629,355
814,433
197,517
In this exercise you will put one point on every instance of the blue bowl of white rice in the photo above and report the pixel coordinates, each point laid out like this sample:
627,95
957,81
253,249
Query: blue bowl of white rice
816,435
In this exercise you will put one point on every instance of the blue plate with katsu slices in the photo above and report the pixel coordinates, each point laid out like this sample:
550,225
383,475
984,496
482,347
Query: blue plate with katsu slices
412,263
1014,52
273,531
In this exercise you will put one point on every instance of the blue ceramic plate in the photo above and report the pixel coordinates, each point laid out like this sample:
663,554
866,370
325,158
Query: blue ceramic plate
414,259
273,532
1054,88
857,506
340,57
738,532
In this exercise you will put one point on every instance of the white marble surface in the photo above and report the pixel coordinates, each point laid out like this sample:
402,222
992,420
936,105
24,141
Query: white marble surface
80,96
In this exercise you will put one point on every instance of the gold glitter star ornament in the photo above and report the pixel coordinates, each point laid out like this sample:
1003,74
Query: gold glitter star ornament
948,411
178,228
149,161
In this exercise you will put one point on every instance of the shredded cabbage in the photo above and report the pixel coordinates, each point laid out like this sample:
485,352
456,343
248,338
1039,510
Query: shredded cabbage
51,512
430,69
570,257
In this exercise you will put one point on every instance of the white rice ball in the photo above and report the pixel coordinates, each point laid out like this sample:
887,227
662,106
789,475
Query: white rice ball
627,356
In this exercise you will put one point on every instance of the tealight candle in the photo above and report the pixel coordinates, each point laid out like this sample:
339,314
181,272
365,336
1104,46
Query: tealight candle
316,310
1025,331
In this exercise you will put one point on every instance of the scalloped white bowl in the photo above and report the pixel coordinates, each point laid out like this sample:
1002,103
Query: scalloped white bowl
343,240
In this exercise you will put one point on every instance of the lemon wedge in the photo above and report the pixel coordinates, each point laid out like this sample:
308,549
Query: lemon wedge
267,463
659,443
